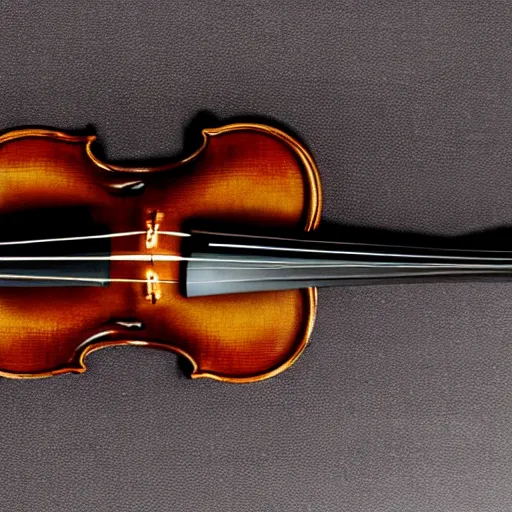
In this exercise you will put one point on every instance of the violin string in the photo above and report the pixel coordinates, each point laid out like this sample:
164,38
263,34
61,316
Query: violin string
268,264
355,253
367,265
174,233
439,268
362,244
152,258
15,277
91,237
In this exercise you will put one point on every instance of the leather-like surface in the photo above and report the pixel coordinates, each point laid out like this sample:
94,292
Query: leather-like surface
402,401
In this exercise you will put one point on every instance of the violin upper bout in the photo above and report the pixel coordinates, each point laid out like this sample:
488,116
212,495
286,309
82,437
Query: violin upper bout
266,152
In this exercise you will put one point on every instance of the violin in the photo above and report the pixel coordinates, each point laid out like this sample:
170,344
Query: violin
94,255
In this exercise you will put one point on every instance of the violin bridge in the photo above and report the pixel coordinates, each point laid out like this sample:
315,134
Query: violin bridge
152,226
153,290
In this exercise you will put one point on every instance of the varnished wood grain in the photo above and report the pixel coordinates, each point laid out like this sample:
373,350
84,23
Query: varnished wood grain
253,174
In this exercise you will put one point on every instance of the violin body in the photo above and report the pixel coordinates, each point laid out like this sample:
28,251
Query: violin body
253,174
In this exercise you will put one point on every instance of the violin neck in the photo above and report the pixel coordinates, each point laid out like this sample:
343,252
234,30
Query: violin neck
226,263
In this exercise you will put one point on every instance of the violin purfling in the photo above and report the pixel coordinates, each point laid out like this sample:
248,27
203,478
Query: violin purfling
94,255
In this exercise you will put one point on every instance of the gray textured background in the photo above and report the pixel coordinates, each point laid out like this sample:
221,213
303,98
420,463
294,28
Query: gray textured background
402,401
